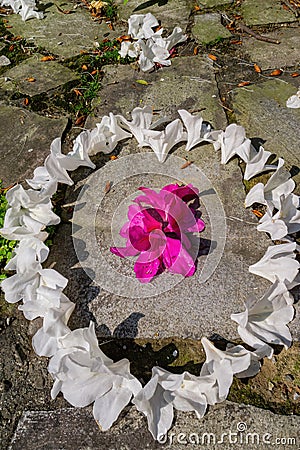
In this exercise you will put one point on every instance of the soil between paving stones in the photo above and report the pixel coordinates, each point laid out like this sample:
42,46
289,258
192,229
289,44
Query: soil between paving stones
25,374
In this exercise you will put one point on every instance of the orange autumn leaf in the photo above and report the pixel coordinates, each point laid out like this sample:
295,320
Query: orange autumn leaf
295,74
257,213
80,120
31,79
11,48
113,157
235,41
77,91
186,164
195,51
244,83
197,8
84,67
257,68
48,58
107,187
94,72
125,37
212,57
276,73
25,101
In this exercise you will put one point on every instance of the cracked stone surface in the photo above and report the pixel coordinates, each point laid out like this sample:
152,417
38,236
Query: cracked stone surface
246,426
65,35
266,12
208,28
47,75
27,142
268,56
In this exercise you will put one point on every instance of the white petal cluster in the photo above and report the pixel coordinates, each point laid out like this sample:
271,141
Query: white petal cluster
294,101
26,8
105,137
149,45
84,374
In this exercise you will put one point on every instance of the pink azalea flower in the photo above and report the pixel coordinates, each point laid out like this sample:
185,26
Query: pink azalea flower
158,231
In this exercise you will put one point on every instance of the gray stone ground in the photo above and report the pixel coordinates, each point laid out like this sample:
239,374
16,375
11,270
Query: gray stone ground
189,310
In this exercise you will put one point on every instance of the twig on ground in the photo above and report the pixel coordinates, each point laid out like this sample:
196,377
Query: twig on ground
259,37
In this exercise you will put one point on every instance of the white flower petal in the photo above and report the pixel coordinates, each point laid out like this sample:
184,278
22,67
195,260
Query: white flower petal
257,164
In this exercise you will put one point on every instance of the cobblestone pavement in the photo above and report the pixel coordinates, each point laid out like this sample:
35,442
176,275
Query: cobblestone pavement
65,74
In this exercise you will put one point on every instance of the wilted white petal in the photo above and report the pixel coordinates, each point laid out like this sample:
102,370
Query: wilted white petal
257,164
277,263
26,8
106,135
294,101
27,269
196,131
161,142
45,340
175,38
285,221
141,120
43,181
132,49
141,25
153,52
233,142
264,321
41,252
79,155
280,183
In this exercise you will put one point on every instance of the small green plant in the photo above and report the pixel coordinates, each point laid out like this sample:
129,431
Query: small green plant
6,246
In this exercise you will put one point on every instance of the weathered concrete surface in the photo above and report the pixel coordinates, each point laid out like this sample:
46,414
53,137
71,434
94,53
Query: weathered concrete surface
267,55
189,83
47,75
170,13
208,28
261,109
65,35
26,143
266,12
224,426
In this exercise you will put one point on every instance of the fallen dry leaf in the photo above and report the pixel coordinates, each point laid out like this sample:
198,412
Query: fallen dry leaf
257,213
195,51
235,41
30,79
257,68
276,73
25,101
244,83
187,164
113,157
212,57
143,82
107,187
94,72
80,120
125,37
84,67
295,74
48,58
11,48
77,91
64,11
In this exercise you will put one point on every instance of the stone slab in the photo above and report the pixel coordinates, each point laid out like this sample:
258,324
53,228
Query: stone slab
225,426
186,309
48,75
65,35
26,143
268,56
189,83
208,28
214,3
264,13
170,13
261,109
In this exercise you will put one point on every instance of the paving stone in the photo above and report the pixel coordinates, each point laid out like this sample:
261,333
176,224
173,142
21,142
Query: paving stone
208,28
186,309
214,3
264,13
188,83
262,111
224,426
170,13
26,143
65,35
267,55
48,75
